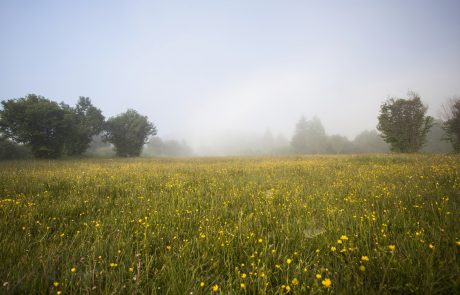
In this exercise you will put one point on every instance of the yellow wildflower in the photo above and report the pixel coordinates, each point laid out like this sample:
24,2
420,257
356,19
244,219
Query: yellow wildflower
318,276
333,249
243,275
113,264
242,286
56,284
288,261
326,283
431,246
131,269
202,284
344,238
288,288
364,258
295,281
215,288
362,268
392,247
73,269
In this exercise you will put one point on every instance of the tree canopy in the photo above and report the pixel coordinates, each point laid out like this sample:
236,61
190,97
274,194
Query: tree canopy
128,132
403,123
37,122
49,128
86,121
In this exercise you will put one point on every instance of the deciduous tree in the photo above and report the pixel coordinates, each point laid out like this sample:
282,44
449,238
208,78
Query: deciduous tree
128,132
403,123
85,121
37,122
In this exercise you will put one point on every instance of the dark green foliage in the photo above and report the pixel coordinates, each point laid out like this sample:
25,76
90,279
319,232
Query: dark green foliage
49,128
128,132
403,123
10,150
85,121
452,124
37,122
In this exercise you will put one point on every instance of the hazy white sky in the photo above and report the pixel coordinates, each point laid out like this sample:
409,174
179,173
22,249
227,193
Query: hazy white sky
197,68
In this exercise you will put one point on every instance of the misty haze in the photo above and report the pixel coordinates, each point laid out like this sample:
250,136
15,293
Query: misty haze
233,147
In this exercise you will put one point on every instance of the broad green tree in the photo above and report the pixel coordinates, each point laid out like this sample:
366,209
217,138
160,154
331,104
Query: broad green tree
85,121
128,132
403,123
37,122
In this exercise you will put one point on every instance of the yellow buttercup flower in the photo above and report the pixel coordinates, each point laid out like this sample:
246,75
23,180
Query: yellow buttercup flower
215,288
362,268
202,284
364,258
392,247
318,276
56,284
326,283
73,269
288,261
344,238
295,281
242,286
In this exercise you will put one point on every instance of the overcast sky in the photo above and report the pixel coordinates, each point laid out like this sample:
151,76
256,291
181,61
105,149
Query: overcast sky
197,68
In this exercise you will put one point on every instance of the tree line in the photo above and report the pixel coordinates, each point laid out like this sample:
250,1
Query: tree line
34,125
403,124
51,130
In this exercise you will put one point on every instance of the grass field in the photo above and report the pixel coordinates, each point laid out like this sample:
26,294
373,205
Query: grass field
345,224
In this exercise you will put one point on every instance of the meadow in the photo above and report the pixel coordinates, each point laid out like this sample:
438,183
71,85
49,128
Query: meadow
317,225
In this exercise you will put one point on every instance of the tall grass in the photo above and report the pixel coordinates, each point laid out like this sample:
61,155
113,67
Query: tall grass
349,224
